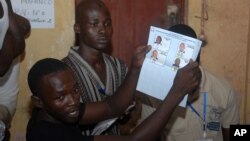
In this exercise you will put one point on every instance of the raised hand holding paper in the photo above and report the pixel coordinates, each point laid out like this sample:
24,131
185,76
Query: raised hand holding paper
170,51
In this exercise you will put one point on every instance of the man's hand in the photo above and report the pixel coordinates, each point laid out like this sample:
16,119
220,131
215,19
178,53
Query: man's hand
139,57
187,78
131,118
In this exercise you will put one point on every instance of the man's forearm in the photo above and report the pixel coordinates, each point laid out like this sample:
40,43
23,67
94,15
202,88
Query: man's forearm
125,94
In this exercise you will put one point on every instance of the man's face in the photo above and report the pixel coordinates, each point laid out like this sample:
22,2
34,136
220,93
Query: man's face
158,39
177,61
182,46
155,54
60,96
96,27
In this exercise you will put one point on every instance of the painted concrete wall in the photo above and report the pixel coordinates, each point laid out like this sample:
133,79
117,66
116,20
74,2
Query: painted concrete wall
226,53
247,99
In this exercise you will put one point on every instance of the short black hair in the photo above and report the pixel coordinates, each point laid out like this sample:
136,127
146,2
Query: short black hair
183,29
40,69
84,4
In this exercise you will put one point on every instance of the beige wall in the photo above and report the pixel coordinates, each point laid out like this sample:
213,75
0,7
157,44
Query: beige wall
247,101
43,43
226,53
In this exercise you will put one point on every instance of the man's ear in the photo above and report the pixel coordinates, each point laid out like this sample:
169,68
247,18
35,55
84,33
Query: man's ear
77,28
37,102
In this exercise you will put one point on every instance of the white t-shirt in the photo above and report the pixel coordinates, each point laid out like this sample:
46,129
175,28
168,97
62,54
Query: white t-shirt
4,22
9,87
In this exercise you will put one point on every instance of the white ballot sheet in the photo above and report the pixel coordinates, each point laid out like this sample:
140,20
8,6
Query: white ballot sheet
170,51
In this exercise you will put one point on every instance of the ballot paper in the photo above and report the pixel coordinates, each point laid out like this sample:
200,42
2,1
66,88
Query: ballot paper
170,51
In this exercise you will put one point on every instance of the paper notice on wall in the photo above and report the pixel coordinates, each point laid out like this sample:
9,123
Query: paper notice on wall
40,13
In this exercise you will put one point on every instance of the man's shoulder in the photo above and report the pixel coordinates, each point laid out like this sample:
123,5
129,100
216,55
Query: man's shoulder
218,87
114,59
72,51
215,79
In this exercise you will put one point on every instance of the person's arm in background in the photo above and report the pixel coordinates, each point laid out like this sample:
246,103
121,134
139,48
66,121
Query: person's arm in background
13,45
14,41
4,26
116,104
6,54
